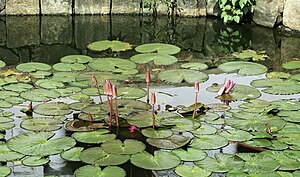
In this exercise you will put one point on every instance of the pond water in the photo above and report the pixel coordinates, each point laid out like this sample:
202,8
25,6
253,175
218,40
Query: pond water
47,39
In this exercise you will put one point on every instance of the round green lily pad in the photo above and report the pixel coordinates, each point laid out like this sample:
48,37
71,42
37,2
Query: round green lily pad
244,68
69,67
172,142
6,126
40,74
204,129
5,170
236,135
296,77
218,107
255,106
49,84
41,124
2,64
34,161
79,96
6,94
67,77
291,65
131,92
78,106
38,144
161,160
68,91
15,100
39,95
182,75
7,155
5,119
158,47
194,66
111,64
18,87
97,156
209,142
5,104
52,109
286,163
115,46
181,124
191,154
157,58
72,154
94,137
280,75
286,104
129,146
76,59
159,133
291,116
95,171
221,163
185,170
33,66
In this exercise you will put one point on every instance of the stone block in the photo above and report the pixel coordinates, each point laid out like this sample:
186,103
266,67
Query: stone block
130,7
212,8
290,47
56,30
194,8
22,31
22,7
2,32
291,14
266,12
2,7
8,56
53,7
92,6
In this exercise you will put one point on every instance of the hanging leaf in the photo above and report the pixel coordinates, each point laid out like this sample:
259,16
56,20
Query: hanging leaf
194,66
161,160
97,156
172,142
111,64
41,124
72,154
244,68
38,144
95,171
39,95
76,59
159,133
185,170
52,109
94,137
190,155
209,142
158,47
129,146
69,67
35,161
33,66
115,46
291,65
5,170
182,75
7,155
157,58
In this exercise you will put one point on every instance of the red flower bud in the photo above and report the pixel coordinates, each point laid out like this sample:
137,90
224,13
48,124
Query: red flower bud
114,92
153,98
94,80
148,76
196,87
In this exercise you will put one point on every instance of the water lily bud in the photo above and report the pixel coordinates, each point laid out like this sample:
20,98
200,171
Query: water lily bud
196,87
110,89
90,117
107,87
94,80
153,98
114,92
148,76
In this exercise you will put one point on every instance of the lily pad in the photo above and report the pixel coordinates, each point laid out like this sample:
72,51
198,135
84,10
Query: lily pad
68,91
286,105
78,106
66,77
34,161
2,64
33,66
5,170
161,160
185,170
291,116
6,94
95,171
221,163
76,59
5,119
131,92
101,76
38,144
7,155
236,135
157,58
291,65
158,47
129,146
69,67
277,86
296,77
280,75
218,107
40,74
41,124
6,126
79,96
181,124
244,68
182,75
286,163
52,109
209,142
94,137
72,154
194,66
18,87
159,133
111,64
39,95
5,104
97,156
49,84
204,129
255,106
115,46
250,54
15,100
190,155
172,142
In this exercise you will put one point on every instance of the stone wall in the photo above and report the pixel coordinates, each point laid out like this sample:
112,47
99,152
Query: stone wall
269,13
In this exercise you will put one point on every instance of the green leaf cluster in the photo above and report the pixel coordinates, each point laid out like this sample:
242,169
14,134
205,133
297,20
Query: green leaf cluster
234,10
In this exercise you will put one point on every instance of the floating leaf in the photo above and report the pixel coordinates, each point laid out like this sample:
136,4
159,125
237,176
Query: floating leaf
209,142
277,145
101,76
78,96
68,91
72,154
286,105
40,74
222,163
280,75
172,142
236,135
95,171
6,94
286,163
181,124
250,54
296,77
78,106
69,67
131,93
158,47
94,137
49,84
34,161
157,58
38,144
255,106
194,66
5,119
5,104
129,146
76,59
291,65
115,46
52,109
41,124
7,155
39,95
277,86
190,155
6,126
204,129
111,64
33,66
66,77
97,156
182,75
218,107
15,100
159,133
18,87
244,68
291,116
185,170
5,170
161,160
2,64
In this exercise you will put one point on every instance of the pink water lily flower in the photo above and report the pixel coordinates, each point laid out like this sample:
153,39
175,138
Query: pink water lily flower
133,128
226,87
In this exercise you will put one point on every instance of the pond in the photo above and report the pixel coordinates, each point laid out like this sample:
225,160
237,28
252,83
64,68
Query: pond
56,63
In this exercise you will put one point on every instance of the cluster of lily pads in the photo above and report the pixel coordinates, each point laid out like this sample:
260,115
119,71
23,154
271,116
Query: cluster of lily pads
181,136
